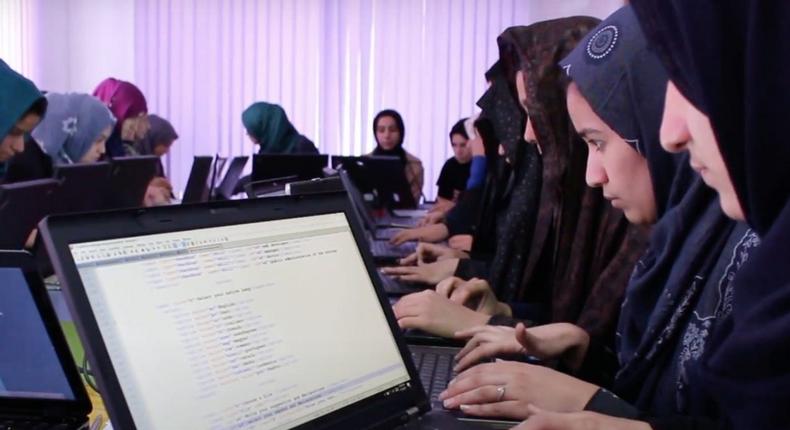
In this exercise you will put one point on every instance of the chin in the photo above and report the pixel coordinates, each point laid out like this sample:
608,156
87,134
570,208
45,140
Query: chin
732,208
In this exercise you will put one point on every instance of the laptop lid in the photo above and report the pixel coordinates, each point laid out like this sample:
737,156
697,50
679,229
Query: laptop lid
259,313
357,201
83,187
304,166
385,175
129,179
232,176
197,185
38,377
22,206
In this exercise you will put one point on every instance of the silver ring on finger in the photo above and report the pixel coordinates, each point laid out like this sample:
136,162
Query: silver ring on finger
500,393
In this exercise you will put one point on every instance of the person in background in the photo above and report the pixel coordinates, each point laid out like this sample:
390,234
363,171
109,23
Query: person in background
22,106
390,132
455,172
157,141
127,103
268,127
75,129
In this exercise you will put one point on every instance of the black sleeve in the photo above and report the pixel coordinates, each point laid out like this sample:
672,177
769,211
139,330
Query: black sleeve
460,219
469,268
679,422
600,364
607,403
445,183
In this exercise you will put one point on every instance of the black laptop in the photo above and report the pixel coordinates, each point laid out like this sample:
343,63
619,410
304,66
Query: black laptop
129,179
229,182
83,187
22,206
304,166
385,176
197,189
40,386
257,313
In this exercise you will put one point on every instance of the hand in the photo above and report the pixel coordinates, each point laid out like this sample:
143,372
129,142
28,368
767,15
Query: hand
158,193
487,341
406,235
506,388
478,148
430,274
430,312
433,217
563,341
430,253
461,242
475,293
544,420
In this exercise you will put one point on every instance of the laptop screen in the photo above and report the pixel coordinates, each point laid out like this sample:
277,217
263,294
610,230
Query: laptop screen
265,325
29,365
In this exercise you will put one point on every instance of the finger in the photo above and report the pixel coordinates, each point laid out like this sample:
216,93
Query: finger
470,345
409,259
507,409
462,295
412,322
482,352
475,396
484,374
414,277
447,286
527,340
399,270
533,410
473,331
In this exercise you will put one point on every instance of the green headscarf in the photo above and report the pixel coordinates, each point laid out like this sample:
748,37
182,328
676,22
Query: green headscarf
269,125
17,95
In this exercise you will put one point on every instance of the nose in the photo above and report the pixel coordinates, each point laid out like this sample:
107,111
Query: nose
595,175
529,132
674,133
18,144
102,149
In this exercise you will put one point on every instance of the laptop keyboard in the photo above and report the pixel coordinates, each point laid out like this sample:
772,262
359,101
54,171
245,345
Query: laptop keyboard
387,233
381,247
435,365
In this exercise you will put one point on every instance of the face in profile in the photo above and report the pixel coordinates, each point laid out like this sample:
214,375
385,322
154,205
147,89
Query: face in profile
613,164
14,142
387,133
521,88
462,148
686,128
98,148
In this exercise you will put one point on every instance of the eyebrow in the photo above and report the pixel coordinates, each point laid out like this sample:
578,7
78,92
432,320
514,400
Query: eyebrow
586,132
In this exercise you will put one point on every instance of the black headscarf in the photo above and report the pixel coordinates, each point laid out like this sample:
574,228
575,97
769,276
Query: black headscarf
398,150
729,59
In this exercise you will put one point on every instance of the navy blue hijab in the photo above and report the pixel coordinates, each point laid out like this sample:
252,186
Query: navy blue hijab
729,58
625,84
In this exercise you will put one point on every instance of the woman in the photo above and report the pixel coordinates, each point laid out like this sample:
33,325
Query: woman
455,171
574,262
389,132
681,287
268,126
127,103
75,129
22,106
158,140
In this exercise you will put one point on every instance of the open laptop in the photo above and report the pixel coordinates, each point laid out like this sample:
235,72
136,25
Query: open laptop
40,386
231,178
83,187
129,179
257,313
304,166
385,175
268,187
197,190
22,206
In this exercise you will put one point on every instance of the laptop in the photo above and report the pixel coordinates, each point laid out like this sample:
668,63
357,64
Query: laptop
196,190
83,187
211,316
385,176
268,187
40,386
231,178
22,206
304,166
129,179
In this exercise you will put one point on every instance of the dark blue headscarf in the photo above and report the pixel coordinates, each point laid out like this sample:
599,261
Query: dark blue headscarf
625,84
729,58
